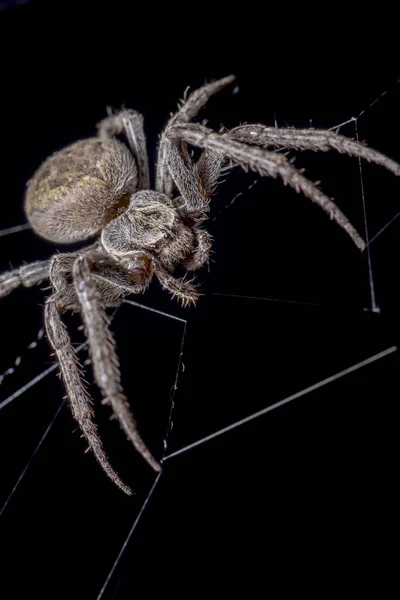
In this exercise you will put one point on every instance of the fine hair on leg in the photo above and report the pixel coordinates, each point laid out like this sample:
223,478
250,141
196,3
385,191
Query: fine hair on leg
78,396
187,111
267,164
318,140
27,275
104,357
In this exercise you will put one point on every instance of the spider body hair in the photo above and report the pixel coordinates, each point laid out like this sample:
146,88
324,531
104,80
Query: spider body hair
78,189
100,187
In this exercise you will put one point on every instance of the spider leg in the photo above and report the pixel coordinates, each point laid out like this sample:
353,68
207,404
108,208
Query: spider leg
112,281
198,99
78,396
60,273
186,113
208,168
104,356
179,288
188,181
195,182
318,140
129,122
201,254
266,163
27,275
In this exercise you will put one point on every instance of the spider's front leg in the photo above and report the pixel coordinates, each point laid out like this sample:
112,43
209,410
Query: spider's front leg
187,111
75,290
78,396
60,274
266,163
104,356
113,281
195,181
318,140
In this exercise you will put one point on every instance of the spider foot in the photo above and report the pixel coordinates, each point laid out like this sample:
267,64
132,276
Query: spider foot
183,290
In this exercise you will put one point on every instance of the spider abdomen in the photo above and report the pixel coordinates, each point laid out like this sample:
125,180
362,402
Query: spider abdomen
77,190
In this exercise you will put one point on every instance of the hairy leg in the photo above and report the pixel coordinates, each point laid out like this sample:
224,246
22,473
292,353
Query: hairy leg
60,273
76,391
112,281
266,163
130,122
189,109
202,252
27,275
209,168
182,289
318,140
195,181
104,356
188,181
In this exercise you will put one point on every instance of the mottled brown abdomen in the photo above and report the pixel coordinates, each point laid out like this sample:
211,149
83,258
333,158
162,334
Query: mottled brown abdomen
77,190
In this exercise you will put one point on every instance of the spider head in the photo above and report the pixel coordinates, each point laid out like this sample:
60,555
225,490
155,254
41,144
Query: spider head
145,228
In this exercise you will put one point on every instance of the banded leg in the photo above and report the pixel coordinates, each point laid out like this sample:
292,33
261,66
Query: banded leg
318,140
78,396
130,122
266,163
104,356
27,275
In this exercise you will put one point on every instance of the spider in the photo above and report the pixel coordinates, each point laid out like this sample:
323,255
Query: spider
100,187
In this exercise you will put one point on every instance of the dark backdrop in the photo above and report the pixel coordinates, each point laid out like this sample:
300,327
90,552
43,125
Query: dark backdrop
303,496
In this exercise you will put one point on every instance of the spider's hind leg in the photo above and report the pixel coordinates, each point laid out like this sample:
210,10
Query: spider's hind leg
130,123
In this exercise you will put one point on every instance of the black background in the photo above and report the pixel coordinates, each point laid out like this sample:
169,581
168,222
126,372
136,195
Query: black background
302,497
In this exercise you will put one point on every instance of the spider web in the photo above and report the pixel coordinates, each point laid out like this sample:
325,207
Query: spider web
243,370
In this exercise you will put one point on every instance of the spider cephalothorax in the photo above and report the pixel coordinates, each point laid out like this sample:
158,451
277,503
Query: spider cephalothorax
152,236
100,187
